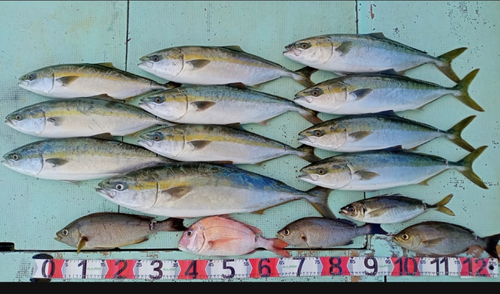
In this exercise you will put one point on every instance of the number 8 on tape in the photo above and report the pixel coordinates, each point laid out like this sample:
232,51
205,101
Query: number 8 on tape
264,267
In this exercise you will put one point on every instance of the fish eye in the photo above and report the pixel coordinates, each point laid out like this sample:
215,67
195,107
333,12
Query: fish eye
286,232
304,45
316,92
321,171
351,209
157,99
15,156
405,237
18,117
65,232
119,187
31,76
155,58
318,133
157,137
189,233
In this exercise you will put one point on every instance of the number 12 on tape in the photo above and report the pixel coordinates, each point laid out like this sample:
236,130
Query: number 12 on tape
264,267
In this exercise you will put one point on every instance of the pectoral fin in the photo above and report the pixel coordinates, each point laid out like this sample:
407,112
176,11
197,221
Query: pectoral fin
54,120
345,47
379,212
361,93
359,135
198,63
178,192
366,175
199,144
56,161
81,244
203,105
65,81
432,242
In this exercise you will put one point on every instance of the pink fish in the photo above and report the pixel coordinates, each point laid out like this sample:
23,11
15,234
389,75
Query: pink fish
224,236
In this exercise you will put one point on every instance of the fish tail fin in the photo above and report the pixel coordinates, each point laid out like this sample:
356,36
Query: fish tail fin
303,76
170,85
170,224
274,245
319,200
463,87
440,206
445,63
307,153
455,133
491,245
310,115
465,167
376,229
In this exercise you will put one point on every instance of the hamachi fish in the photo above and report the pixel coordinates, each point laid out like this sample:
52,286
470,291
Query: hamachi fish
364,132
317,232
81,117
433,238
78,159
355,53
194,189
219,105
387,209
217,66
376,170
217,143
223,236
87,80
109,230
378,92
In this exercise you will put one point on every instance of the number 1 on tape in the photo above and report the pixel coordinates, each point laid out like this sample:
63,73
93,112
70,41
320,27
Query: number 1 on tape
264,267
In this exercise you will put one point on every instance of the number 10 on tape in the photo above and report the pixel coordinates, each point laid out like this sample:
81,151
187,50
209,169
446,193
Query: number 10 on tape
264,267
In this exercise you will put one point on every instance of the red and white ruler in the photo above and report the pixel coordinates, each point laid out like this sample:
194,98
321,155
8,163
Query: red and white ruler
263,267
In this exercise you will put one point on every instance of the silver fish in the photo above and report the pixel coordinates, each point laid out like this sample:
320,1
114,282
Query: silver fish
378,92
354,53
77,159
316,232
187,190
219,105
217,143
375,170
108,230
81,117
356,133
87,80
217,66
387,209
433,238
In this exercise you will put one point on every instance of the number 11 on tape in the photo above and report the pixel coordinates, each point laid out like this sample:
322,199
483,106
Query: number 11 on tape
264,267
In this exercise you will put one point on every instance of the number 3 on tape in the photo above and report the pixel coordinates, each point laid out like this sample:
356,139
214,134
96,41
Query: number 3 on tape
264,267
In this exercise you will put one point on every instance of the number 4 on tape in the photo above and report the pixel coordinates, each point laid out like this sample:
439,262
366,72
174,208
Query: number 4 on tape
264,267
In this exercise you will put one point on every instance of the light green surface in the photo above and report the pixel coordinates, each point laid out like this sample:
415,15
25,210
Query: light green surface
38,34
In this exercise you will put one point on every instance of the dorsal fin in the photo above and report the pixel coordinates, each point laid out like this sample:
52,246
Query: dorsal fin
107,64
379,35
234,47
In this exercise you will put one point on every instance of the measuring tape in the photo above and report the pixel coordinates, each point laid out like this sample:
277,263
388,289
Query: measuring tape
263,268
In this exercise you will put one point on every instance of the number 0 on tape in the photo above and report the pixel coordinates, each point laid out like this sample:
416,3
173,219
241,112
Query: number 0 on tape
264,267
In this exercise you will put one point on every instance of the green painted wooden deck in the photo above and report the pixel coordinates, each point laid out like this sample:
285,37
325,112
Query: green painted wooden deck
38,34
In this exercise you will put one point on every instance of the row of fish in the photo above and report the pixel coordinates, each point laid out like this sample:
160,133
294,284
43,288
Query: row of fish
156,184
224,236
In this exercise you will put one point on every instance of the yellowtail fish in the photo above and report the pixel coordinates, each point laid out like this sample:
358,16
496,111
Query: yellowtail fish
376,170
355,53
81,117
433,238
217,143
108,230
217,66
223,236
219,105
387,209
188,190
77,159
317,232
378,92
87,80
363,132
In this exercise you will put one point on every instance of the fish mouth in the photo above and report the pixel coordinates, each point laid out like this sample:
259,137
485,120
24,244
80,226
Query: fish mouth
305,139
57,238
300,98
104,192
290,49
9,122
145,143
145,64
23,84
308,177
6,163
143,104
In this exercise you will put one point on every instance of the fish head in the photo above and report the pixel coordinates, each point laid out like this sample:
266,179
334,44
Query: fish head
129,190
167,63
40,81
27,160
326,97
29,120
354,210
170,104
314,51
408,239
69,235
329,136
167,141
193,239
332,174
292,235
